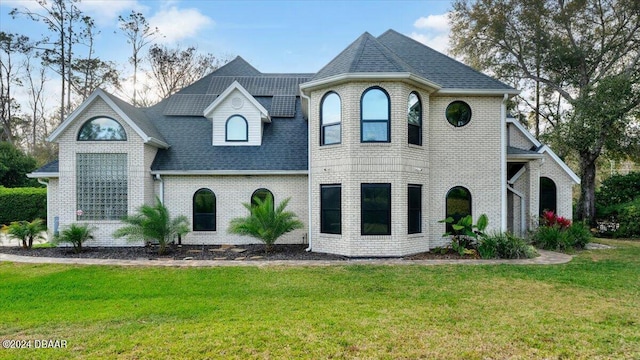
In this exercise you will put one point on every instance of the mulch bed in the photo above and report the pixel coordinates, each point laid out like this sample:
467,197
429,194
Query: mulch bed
202,252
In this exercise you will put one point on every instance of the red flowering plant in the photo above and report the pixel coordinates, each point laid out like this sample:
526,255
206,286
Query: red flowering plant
551,219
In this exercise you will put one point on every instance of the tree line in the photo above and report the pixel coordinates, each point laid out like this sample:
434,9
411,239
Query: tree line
66,54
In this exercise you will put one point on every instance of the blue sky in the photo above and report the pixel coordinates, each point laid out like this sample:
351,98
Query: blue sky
274,36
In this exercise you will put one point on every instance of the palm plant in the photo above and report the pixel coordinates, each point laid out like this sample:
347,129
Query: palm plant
153,223
26,231
264,222
76,235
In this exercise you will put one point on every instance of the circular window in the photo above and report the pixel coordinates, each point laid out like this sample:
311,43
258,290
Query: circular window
458,113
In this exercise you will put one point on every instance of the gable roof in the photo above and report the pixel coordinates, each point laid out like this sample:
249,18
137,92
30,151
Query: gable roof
133,116
264,114
541,149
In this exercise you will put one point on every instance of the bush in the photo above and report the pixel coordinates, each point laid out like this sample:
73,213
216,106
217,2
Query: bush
629,220
618,189
576,236
504,246
14,166
579,235
75,235
548,237
22,204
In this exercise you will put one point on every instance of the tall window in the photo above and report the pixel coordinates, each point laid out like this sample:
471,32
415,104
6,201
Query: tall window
414,202
375,113
261,194
237,129
414,119
548,197
102,129
331,117
458,204
376,209
330,209
204,210
101,186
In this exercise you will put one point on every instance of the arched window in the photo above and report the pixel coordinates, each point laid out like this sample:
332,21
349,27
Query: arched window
237,129
330,119
414,119
261,194
548,195
102,129
375,112
458,204
204,210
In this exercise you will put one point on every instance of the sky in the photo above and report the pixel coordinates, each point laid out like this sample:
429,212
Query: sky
274,36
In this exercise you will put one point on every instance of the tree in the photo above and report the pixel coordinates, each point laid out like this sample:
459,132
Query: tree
139,34
10,45
14,166
590,62
153,223
62,18
26,231
264,222
36,79
173,69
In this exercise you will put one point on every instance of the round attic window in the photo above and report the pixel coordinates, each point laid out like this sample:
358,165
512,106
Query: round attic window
458,113
237,103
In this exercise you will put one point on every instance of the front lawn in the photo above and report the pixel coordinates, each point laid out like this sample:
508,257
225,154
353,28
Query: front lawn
587,309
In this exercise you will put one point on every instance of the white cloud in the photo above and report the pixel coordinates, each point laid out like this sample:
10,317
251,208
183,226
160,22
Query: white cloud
177,24
433,31
439,23
105,11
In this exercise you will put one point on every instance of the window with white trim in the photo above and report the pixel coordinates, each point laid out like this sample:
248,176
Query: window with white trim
101,186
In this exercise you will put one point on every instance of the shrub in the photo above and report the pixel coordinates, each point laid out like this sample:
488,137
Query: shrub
548,237
579,235
14,166
617,189
629,220
576,236
465,233
26,231
153,223
75,235
264,222
503,245
22,204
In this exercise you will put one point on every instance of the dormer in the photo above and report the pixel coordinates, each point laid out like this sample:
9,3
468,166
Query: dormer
237,118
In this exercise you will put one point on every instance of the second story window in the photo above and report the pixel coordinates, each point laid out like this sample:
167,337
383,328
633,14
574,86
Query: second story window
330,119
375,113
237,129
414,119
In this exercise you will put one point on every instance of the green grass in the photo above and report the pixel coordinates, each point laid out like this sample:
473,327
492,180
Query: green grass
588,308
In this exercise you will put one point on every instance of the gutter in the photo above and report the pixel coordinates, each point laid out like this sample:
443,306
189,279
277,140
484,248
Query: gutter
161,195
503,162
309,197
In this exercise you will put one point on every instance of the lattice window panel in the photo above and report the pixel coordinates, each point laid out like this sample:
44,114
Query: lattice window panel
101,186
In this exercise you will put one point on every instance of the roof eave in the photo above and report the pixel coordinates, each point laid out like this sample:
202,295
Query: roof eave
157,143
481,92
43,175
406,76
229,172
518,157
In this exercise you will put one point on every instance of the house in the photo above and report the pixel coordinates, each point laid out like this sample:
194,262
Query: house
373,149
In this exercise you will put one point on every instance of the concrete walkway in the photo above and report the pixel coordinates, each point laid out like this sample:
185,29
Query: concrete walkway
545,258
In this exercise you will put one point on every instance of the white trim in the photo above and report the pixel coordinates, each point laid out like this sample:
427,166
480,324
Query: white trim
515,157
517,175
562,164
102,94
491,92
524,131
503,162
370,76
264,114
41,175
229,172
523,223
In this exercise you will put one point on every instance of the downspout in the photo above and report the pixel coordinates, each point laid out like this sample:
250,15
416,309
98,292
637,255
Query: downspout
161,191
503,162
309,195
523,220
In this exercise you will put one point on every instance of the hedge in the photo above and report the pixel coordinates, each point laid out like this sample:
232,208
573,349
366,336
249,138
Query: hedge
18,204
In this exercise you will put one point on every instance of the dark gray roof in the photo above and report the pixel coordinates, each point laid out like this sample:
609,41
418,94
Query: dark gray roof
284,145
436,67
517,151
365,55
138,116
188,104
51,167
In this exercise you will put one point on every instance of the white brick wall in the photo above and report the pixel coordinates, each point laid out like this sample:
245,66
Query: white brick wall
231,192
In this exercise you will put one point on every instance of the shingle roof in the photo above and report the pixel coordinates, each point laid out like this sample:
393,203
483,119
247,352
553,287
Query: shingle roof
436,67
51,167
284,145
138,116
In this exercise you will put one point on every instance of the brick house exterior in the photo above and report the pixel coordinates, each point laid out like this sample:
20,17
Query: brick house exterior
373,149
